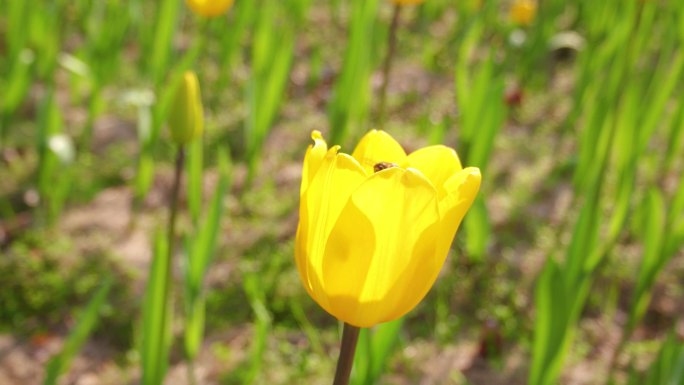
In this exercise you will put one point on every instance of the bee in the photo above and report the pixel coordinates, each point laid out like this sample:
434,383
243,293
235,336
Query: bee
384,165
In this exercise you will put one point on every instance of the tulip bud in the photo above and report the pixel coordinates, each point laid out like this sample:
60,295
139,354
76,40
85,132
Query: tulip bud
186,116
209,8
523,12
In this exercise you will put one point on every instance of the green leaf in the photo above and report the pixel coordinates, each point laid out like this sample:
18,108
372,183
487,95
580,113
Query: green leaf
675,138
350,99
653,259
144,175
195,180
199,256
18,82
675,234
86,323
384,341
165,28
667,368
194,326
664,83
552,325
272,55
157,316
18,16
253,286
478,230
232,35
205,238
374,349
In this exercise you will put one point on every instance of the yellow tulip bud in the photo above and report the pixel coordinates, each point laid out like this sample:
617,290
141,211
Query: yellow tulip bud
523,11
407,2
376,226
186,119
209,8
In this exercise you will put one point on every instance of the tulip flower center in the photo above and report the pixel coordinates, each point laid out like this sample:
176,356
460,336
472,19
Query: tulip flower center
383,165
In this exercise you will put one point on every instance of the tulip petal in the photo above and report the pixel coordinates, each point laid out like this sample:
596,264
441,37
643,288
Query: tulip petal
387,231
313,159
461,190
424,272
378,146
337,176
438,163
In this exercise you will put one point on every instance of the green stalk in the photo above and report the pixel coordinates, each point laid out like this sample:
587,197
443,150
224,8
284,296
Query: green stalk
156,335
94,107
387,65
350,336
165,314
173,205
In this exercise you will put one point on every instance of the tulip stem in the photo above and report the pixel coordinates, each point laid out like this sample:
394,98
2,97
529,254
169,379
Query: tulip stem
387,65
350,336
173,203
171,234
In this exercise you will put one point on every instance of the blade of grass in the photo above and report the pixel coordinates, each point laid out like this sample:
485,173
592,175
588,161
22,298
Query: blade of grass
480,95
18,13
478,230
45,35
272,55
49,173
86,323
195,165
200,253
675,233
232,35
653,259
157,310
550,325
165,27
562,291
144,175
262,326
675,140
15,90
667,368
383,342
350,99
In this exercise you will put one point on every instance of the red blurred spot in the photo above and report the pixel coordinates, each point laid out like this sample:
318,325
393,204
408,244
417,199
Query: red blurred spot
514,97
491,340
41,339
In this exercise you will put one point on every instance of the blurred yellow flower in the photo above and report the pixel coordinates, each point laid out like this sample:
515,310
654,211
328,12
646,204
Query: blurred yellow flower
186,115
522,12
407,2
375,227
209,8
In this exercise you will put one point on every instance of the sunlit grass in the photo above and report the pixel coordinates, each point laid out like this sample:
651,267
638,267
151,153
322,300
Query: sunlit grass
572,110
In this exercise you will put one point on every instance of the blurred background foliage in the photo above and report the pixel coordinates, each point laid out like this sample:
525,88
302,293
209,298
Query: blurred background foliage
567,270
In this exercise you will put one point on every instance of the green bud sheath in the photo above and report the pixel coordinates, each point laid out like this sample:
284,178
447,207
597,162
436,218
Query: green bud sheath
186,115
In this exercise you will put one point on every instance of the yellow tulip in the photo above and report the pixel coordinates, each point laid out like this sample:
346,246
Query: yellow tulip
209,8
186,116
523,11
407,2
375,227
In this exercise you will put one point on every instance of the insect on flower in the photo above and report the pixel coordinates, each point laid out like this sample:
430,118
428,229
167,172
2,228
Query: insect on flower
383,166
